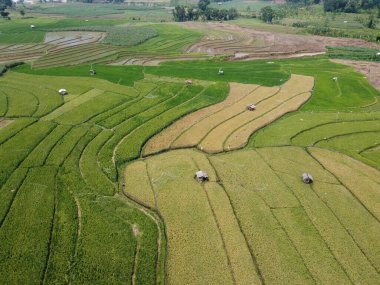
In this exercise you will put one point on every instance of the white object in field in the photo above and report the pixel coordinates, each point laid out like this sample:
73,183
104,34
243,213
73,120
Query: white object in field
335,78
251,107
345,22
378,54
220,72
270,62
86,20
188,82
201,176
32,26
307,178
62,91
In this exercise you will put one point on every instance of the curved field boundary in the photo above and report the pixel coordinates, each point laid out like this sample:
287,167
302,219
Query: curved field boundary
138,137
296,84
213,141
240,137
164,139
356,142
329,130
329,217
193,135
212,128
366,191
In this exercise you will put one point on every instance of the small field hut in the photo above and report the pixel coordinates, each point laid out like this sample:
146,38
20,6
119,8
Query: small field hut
32,26
307,178
62,91
188,82
251,107
201,176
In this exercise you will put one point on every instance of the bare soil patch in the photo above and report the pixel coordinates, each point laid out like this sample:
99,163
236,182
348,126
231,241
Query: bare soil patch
237,41
4,123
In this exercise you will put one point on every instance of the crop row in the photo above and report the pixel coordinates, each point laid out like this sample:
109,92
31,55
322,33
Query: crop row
82,212
314,211
231,127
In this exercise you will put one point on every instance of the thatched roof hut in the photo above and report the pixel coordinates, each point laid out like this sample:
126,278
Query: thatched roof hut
62,91
251,107
307,178
201,176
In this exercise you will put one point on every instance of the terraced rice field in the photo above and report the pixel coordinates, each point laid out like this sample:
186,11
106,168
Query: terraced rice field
54,43
242,42
355,134
228,126
55,152
81,200
65,48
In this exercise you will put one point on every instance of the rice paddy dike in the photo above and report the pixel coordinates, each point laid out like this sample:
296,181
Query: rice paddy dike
93,188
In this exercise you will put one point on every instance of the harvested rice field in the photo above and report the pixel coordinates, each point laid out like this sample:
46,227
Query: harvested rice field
229,125
288,231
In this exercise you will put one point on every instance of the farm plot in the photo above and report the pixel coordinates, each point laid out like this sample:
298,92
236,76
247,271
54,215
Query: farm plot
245,42
229,126
98,124
277,217
164,139
72,38
349,133
210,235
24,52
132,133
321,217
79,54
253,222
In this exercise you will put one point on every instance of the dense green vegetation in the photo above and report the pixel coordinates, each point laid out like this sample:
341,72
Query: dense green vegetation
312,19
355,53
74,10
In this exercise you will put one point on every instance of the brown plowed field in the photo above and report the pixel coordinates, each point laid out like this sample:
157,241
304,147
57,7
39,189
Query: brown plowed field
262,44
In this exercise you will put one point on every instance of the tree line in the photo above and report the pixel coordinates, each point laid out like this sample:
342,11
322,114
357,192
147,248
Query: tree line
203,12
347,6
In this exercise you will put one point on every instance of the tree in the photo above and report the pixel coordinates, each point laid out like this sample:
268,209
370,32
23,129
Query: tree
371,22
352,6
267,14
6,3
334,5
202,4
4,14
179,13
